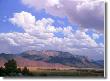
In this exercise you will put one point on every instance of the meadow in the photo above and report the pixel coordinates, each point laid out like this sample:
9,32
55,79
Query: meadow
67,72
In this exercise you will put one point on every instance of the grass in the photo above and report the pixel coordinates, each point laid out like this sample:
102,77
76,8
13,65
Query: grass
67,72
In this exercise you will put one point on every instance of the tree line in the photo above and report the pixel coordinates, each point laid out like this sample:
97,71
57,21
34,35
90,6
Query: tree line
10,69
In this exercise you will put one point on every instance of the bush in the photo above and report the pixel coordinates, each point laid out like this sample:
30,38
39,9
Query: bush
25,71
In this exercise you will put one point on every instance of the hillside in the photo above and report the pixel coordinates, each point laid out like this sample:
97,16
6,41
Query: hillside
50,59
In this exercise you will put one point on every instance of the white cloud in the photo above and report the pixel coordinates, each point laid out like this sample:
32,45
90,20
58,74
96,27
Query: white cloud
85,39
87,13
52,3
39,35
23,19
41,28
95,36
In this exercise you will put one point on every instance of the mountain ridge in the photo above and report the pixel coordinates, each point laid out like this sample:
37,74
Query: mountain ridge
50,58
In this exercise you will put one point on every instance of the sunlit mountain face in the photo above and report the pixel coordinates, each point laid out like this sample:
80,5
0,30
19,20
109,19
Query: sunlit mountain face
51,59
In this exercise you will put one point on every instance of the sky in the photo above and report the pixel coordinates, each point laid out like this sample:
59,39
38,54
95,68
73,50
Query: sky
75,26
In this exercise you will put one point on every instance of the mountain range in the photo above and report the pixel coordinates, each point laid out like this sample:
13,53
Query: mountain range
50,59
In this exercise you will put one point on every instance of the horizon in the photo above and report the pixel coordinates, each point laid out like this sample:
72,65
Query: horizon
91,59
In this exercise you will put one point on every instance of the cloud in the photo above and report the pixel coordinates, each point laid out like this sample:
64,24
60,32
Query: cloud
95,36
86,13
23,19
41,28
40,35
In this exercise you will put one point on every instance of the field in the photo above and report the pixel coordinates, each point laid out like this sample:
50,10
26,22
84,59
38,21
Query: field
66,72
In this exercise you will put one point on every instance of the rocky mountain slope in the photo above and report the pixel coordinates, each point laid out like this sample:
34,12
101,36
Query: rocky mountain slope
51,59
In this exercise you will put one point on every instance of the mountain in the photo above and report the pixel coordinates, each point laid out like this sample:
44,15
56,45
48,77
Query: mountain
21,62
64,58
99,62
51,59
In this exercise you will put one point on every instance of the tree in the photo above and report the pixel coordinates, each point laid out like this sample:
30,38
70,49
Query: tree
2,71
19,70
11,68
25,71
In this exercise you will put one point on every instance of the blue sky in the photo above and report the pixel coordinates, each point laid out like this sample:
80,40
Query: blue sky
7,8
10,7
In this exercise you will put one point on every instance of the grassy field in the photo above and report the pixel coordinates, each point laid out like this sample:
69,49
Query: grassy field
67,72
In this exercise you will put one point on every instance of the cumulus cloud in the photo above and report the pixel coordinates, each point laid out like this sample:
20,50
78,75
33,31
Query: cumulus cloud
41,28
86,13
24,20
40,35
95,36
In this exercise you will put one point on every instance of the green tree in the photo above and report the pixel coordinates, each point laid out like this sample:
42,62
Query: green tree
19,70
2,71
11,68
25,71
